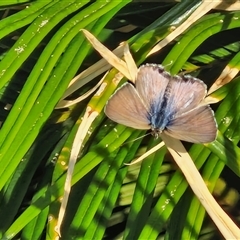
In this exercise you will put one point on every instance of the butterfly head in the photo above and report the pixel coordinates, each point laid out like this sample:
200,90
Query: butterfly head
156,132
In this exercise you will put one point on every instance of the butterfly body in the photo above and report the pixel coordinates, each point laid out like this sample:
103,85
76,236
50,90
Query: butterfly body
162,102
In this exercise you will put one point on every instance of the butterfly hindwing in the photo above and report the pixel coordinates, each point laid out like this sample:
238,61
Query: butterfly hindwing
126,107
197,126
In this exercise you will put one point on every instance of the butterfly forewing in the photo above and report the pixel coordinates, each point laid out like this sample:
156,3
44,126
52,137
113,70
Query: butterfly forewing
126,107
184,94
151,83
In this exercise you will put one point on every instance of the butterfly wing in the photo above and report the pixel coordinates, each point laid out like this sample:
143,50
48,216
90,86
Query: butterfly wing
151,83
126,107
184,94
186,119
197,126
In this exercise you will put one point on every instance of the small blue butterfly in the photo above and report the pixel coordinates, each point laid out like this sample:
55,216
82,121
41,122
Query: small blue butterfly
164,103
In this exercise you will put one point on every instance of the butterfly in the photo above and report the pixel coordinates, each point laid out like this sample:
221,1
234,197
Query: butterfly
164,103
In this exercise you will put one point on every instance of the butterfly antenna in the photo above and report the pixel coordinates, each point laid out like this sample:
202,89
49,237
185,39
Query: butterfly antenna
136,138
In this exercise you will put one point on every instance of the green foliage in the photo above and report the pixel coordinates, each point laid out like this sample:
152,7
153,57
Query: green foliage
42,49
